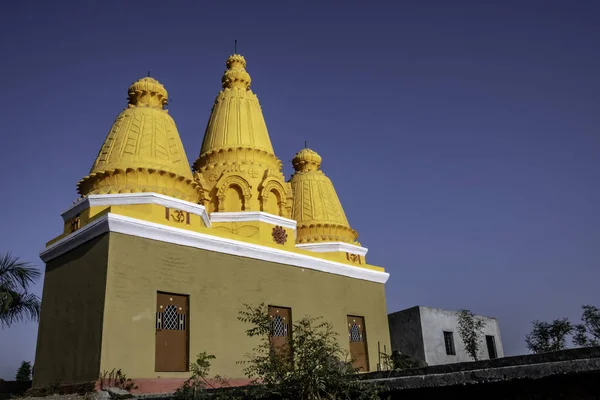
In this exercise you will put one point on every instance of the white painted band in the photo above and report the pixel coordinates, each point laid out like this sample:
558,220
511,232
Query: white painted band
135,198
249,216
150,230
331,247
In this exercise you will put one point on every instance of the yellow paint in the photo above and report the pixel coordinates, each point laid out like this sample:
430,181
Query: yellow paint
237,167
218,285
316,206
69,342
255,232
237,170
143,151
100,298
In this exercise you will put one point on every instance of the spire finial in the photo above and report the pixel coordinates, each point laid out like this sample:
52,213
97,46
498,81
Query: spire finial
235,46
236,74
306,160
147,92
305,146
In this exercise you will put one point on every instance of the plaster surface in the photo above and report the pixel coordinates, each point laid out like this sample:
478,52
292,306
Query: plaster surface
419,332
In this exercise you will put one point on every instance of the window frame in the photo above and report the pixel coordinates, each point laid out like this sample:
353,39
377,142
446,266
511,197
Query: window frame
494,348
449,343
281,341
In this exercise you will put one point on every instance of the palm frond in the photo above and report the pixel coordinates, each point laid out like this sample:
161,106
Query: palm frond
16,306
16,274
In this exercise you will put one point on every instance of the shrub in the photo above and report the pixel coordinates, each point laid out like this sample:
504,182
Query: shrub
310,365
24,372
117,379
399,361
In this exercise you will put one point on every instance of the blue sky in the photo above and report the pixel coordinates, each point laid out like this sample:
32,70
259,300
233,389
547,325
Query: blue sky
462,137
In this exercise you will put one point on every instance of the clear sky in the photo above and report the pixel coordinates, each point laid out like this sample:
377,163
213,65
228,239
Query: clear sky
461,136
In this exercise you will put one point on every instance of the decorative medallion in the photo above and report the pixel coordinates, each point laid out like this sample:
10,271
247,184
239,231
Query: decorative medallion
279,235
253,172
182,217
355,258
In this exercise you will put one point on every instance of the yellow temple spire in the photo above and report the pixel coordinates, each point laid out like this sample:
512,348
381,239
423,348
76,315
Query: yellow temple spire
237,166
316,206
143,151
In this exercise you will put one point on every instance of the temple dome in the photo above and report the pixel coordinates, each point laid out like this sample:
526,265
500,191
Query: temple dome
307,160
147,92
315,205
142,151
237,166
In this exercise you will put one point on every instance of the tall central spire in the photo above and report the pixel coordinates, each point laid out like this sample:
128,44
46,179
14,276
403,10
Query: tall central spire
237,166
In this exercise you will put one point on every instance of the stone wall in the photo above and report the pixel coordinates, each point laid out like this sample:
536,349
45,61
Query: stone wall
419,333
8,389
406,334
569,374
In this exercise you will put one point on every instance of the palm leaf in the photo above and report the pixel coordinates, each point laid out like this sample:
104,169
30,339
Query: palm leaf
16,304
15,307
16,274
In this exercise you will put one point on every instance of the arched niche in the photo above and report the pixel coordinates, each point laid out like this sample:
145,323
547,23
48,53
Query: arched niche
234,194
273,198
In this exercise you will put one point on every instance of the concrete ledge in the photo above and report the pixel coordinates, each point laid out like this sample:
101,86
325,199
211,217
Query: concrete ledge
515,361
492,375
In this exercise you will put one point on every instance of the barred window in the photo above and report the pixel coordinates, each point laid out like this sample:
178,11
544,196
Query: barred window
170,319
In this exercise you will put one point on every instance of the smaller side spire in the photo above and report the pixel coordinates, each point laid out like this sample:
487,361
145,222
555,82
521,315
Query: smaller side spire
316,206
143,151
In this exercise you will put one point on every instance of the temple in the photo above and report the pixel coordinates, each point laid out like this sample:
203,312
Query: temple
157,258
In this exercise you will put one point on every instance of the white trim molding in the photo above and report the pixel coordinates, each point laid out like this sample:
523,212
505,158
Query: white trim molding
135,227
135,198
331,247
248,216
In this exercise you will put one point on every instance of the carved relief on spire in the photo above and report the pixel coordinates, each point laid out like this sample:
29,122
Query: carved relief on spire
275,197
236,140
233,193
143,151
147,92
316,206
236,75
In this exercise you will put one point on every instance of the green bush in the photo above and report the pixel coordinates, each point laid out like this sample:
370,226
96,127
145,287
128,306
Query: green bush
311,365
24,372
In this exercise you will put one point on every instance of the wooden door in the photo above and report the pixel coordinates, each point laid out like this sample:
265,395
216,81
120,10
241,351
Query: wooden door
172,323
281,323
357,334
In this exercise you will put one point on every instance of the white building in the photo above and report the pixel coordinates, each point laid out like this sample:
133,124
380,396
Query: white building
431,334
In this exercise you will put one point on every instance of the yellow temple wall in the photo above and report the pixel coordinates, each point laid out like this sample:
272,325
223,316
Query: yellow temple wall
218,285
70,328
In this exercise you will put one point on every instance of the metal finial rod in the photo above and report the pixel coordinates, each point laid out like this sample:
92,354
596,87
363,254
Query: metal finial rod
305,146
235,46
148,73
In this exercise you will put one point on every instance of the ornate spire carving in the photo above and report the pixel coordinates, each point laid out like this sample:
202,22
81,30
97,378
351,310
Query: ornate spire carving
316,206
236,75
237,160
147,92
143,151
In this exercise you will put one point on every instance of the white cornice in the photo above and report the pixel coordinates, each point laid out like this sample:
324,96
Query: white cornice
135,198
248,216
330,247
77,238
149,230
